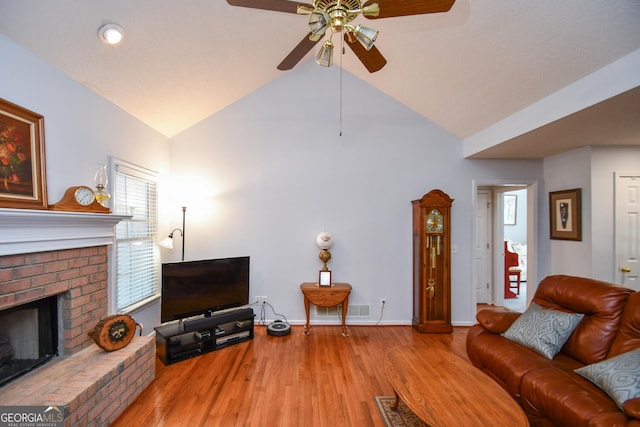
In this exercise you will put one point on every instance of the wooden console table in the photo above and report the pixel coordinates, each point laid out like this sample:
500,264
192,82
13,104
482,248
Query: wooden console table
326,296
444,390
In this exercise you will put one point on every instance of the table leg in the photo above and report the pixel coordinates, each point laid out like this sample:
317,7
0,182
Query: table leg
345,309
306,309
395,404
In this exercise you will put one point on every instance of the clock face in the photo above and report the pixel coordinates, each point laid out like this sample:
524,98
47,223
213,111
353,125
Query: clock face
435,223
84,196
118,331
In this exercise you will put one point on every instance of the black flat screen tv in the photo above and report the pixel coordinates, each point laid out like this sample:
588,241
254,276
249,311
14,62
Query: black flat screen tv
194,288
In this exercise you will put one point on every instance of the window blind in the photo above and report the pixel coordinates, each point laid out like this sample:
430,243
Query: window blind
137,257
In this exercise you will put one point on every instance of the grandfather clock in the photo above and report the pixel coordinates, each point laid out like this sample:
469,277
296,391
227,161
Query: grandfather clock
432,263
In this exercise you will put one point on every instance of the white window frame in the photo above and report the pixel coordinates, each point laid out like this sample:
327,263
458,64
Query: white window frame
127,233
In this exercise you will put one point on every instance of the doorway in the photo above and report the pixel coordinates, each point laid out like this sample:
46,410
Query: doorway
497,221
515,248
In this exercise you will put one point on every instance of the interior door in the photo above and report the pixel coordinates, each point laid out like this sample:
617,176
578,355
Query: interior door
627,229
482,250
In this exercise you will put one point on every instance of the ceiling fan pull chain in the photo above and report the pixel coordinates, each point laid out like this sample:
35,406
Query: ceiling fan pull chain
342,54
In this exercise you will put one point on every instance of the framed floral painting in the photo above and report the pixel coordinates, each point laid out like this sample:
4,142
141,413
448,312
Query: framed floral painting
22,158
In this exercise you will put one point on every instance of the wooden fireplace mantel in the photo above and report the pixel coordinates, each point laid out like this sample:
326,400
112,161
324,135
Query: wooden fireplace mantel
26,231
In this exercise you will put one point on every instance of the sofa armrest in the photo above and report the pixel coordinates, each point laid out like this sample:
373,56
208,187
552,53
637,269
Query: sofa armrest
496,321
632,408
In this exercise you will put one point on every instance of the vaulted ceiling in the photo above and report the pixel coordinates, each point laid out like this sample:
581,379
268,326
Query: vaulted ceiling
465,70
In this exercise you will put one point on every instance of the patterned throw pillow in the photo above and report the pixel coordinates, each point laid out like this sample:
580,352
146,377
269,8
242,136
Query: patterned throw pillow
542,330
619,376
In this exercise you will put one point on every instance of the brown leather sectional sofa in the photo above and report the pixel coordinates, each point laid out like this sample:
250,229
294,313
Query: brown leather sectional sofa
549,390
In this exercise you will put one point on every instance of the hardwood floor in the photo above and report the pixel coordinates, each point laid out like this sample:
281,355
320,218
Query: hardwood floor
323,379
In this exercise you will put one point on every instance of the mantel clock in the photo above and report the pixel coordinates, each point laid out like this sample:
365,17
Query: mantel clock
432,263
79,198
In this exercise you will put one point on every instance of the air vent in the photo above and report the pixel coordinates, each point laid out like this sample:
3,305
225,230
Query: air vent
355,310
361,310
328,311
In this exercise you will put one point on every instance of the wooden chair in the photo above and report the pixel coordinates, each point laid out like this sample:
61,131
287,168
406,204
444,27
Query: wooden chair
511,268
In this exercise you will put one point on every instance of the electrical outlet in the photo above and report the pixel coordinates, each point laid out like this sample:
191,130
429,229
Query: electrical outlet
265,299
383,301
257,299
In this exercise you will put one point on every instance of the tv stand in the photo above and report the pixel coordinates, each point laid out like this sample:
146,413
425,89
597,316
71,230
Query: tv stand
186,339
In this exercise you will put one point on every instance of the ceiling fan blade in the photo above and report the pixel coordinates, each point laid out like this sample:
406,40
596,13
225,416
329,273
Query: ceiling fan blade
372,59
276,5
298,52
393,8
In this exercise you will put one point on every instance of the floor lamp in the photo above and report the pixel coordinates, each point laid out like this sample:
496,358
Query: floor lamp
168,241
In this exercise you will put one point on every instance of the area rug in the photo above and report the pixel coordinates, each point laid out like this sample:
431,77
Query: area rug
401,417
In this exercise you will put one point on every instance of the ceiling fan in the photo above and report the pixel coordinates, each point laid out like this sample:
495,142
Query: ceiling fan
336,16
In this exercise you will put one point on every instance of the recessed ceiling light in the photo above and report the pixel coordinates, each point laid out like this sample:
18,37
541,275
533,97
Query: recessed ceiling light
111,34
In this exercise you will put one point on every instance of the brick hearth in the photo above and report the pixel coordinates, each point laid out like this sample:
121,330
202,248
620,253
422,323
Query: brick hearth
92,387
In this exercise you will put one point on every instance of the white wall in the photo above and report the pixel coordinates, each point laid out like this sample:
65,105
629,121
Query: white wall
563,172
605,162
591,169
81,129
265,175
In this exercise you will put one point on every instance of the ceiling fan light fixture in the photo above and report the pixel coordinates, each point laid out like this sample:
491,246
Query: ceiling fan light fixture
366,36
372,10
325,54
318,22
111,34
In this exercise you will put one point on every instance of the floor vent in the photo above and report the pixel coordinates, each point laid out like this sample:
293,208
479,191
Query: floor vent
328,311
355,310
362,310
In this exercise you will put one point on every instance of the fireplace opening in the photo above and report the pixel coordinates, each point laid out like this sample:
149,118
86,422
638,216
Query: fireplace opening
28,337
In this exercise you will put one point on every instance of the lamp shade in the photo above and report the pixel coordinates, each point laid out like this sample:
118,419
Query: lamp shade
324,240
318,22
167,242
366,36
325,54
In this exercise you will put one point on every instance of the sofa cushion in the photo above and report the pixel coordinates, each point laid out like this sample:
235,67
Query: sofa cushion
496,321
632,408
543,330
628,337
508,362
619,376
601,303
566,399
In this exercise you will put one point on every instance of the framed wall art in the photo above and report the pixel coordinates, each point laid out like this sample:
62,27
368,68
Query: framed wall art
510,207
565,212
22,158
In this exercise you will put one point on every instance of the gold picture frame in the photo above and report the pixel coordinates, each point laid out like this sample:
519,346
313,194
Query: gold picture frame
324,278
565,214
22,158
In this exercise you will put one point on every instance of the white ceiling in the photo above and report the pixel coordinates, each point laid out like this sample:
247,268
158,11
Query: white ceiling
183,60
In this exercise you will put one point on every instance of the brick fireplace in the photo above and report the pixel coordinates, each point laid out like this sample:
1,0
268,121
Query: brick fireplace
77,276
65,255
